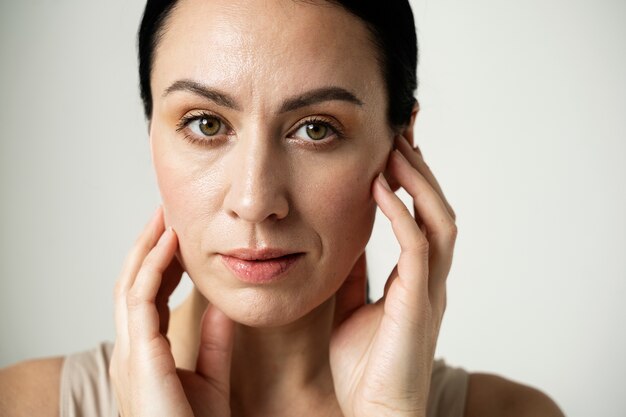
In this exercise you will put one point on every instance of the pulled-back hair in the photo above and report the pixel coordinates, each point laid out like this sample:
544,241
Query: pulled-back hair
390,23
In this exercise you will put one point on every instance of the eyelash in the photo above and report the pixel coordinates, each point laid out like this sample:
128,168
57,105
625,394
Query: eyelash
186,120
327,122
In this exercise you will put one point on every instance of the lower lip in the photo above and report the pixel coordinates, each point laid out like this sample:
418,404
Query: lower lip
260,272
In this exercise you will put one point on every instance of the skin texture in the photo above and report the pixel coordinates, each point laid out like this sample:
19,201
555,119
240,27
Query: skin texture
31,388
261,182
307,344
256,185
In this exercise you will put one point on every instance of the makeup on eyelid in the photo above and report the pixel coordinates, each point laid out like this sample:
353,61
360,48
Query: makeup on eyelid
333,131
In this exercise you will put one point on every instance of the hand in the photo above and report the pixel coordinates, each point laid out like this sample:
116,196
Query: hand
381,354
142,368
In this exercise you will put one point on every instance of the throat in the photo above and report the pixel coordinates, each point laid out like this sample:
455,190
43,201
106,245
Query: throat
284,362
277,371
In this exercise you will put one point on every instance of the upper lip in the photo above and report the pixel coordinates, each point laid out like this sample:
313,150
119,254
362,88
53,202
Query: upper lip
249,254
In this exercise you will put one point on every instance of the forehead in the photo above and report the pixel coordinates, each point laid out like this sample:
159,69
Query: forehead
264,47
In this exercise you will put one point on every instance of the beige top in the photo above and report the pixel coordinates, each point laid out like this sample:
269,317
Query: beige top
86,389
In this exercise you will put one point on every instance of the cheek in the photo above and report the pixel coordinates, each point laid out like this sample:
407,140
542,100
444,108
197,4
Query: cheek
188,194
341,209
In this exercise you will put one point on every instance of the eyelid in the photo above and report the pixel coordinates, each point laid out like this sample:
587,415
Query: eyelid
194,138
329,122
198,114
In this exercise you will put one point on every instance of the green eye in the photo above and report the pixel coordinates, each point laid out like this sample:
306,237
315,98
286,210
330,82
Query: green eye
209,126
316,131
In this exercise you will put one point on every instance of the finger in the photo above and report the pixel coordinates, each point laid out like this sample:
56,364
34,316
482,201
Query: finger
390,279
442,230
413,263
416,160
394,272
353,292
216,348
143,317
146,241
171,278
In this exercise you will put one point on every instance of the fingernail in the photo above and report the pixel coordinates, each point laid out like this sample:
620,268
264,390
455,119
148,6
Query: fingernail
401,142
399,154
383,181
168,234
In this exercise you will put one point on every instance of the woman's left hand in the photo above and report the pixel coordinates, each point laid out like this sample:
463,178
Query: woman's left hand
381,354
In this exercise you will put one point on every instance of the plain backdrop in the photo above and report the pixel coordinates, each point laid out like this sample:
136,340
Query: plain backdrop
523,122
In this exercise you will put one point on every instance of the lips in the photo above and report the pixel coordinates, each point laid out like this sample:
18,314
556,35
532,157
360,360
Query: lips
260,266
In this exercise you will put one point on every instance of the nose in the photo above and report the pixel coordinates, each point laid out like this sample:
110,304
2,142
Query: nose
257,183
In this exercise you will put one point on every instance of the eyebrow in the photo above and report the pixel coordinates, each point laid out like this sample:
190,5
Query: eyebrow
309,98
319,95
211,94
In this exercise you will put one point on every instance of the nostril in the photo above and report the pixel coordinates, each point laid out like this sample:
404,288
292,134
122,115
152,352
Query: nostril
255,191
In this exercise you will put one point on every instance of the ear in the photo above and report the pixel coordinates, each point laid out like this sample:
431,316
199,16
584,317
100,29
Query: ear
151,145
409,129
407,133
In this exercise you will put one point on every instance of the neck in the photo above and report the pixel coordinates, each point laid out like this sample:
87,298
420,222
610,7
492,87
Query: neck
184,330
283,362
271,367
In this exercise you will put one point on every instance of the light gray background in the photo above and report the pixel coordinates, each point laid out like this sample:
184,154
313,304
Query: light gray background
523,122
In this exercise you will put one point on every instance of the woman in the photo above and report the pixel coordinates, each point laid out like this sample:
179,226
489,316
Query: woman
273,128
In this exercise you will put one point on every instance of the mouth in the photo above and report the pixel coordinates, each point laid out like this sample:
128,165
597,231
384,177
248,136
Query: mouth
260,267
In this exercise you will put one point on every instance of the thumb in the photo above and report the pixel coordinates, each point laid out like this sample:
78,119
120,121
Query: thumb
353,293
216,348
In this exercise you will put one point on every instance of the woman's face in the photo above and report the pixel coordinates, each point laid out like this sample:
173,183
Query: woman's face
269,126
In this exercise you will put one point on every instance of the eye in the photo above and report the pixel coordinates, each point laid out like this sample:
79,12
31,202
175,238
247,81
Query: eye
206,125
315,130
203,128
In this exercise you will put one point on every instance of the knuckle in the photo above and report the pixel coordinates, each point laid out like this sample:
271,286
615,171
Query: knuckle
422,241
421,246
452,214
453,231
448,231
151,265
134,299
402,212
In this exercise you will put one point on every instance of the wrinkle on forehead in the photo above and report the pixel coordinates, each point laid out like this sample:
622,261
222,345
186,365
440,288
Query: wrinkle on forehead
250,47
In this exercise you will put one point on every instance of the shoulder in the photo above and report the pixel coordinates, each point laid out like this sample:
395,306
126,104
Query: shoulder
31,388
492,395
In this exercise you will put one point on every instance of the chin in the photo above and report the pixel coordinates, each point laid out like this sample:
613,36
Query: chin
265,307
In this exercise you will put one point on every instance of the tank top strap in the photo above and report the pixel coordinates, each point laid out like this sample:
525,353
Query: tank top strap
85,387
448,390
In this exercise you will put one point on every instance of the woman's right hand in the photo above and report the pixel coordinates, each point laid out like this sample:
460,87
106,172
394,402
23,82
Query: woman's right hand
143,371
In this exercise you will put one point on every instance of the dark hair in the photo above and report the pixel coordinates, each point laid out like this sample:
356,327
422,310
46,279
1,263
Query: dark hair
390,23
